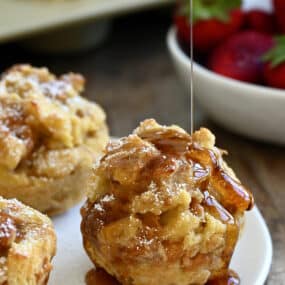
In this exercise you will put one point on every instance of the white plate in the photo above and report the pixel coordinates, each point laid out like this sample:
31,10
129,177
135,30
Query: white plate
22,17
252,258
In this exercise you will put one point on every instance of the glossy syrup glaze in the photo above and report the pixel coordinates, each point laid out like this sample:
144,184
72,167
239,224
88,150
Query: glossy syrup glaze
224,197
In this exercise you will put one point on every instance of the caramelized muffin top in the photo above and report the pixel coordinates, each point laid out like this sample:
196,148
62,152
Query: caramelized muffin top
161,195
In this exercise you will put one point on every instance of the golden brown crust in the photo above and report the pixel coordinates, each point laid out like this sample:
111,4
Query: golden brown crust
49,137
163,207
27,244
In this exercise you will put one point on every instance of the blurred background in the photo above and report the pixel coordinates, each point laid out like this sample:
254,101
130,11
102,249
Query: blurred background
128,71
137,67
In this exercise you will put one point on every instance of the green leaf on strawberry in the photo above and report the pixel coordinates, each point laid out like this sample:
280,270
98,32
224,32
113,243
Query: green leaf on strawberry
276,55
210,9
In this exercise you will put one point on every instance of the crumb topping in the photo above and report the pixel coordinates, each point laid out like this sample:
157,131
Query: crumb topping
40,112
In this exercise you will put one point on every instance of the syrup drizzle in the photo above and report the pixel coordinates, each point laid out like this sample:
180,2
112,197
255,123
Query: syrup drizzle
225,197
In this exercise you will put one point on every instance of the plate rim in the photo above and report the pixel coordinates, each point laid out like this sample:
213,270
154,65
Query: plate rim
264,273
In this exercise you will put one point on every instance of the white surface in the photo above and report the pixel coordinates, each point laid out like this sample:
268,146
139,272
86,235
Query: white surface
23,17
258,4
252,258
253,255
251,110
70,263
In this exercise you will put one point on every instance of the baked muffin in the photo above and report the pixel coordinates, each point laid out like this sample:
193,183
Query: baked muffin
49,138
27,244
163,208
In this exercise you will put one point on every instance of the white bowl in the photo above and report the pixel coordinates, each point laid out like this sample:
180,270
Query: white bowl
254,111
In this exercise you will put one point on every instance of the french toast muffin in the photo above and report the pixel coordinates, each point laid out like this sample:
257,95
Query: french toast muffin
27,244
49,138
163,208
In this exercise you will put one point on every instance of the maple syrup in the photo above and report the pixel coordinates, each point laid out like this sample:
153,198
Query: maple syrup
225,198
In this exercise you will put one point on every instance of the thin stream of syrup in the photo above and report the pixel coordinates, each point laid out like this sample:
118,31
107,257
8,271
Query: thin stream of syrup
191,70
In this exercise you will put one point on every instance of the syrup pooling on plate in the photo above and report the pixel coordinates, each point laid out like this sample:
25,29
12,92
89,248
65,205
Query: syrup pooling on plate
99,277
164,205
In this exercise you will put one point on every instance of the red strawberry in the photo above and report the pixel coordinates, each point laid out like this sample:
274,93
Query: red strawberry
274,69
279,7
239,57
275,76
208,33
183,30
260,21
182,22
213,21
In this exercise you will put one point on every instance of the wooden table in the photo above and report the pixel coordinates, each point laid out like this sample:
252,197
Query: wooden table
132,77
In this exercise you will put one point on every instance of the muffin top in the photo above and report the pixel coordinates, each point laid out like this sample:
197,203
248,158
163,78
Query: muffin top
24,234
41,113
161,196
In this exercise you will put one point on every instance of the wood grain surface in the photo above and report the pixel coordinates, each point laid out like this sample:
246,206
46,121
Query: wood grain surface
132,77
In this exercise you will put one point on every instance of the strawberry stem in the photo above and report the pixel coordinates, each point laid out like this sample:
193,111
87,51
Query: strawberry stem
276,55
209,9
